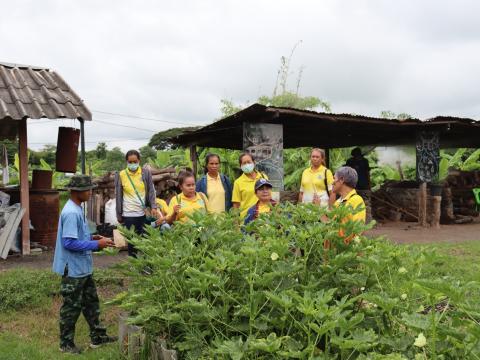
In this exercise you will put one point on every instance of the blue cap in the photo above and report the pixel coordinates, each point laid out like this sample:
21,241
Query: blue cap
261,182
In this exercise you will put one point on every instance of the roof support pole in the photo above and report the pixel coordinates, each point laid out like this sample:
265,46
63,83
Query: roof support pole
82,145
24,189
428,160
327,158
194,159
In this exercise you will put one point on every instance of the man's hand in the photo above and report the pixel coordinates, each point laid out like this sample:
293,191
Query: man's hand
154,212
104,242
176,209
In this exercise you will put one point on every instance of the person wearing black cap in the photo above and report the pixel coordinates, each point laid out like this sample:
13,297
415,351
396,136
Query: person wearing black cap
263,190
73,261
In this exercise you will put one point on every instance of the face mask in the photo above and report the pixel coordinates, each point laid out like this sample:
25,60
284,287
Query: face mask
247,168
132,166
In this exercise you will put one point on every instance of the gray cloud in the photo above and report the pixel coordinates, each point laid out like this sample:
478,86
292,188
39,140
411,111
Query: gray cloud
175,60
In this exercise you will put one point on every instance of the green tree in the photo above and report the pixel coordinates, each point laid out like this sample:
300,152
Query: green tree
147,152
48,153
282,96
114,161
161,140
101,151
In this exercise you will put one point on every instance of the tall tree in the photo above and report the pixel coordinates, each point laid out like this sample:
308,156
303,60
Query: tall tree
161,140
101,151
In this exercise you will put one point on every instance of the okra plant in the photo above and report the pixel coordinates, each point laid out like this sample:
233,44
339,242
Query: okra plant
273,290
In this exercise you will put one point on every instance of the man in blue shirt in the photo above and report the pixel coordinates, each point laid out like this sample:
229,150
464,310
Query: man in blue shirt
73,260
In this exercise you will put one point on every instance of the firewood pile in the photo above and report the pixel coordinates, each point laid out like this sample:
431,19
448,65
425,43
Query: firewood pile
165,181
396,201
458,202
399,200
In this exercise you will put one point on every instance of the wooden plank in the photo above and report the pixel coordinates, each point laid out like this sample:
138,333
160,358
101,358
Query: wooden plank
437,200
24,188
98,205
422,204
10,231
9,214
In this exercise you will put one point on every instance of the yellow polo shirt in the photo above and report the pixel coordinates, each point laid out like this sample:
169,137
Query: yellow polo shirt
162,206
264,208
313,181
215,194
188,206
131,203
354,201
244,192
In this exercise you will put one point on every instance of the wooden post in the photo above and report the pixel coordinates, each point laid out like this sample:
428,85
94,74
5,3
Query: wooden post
422,204
327,158
437,200
194,159
24,189
82,145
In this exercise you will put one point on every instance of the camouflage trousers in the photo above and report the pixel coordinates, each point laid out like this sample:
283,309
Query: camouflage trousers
79,296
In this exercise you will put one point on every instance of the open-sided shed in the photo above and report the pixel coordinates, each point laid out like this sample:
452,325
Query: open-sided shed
31,93
327,130
264,131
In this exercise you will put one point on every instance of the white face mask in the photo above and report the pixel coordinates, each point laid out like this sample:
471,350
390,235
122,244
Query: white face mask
248,168
132,166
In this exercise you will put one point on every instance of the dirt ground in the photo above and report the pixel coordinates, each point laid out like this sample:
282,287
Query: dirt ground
45,260
399,232
411,233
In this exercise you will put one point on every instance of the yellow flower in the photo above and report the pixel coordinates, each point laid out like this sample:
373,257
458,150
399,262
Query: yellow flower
402,270
404,297
420,341
356,239
274,256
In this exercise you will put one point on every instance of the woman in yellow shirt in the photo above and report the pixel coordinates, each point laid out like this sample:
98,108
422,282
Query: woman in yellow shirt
317,181
215,185
243,196
188,201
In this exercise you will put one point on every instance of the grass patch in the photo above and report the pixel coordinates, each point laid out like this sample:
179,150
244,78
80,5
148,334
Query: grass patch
457,260
30,303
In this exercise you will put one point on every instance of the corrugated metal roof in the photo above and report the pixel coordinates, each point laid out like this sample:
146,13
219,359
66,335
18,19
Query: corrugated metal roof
35,92
328,130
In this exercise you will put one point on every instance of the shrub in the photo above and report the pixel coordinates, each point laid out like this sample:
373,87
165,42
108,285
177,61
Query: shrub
22,288
214,291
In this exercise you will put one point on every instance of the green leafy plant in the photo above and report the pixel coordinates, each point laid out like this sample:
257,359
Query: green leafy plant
215,291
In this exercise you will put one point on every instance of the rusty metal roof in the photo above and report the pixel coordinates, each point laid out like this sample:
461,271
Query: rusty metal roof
327,130
34,92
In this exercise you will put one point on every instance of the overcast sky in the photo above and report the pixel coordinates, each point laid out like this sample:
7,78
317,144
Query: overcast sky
175,60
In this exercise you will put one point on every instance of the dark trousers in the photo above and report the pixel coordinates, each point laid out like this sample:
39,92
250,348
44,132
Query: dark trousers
79,296
138,222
